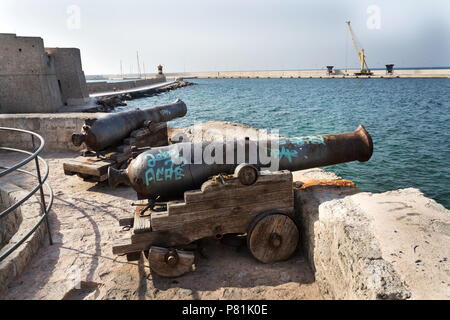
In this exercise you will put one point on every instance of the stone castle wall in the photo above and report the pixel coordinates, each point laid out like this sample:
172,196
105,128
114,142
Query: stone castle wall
69,72
28,81
34,79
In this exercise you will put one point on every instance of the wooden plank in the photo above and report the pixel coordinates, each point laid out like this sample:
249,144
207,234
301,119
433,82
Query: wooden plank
239,199
228,191
134,256
69,173
158,127
128,247
188,233
162,222
94,168
125,222
233,182
141,224
142,242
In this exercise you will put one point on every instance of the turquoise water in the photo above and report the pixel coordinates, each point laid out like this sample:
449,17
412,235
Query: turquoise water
409,120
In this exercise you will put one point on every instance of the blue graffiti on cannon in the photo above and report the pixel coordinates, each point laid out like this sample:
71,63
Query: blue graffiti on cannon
166,171
291,154
304,140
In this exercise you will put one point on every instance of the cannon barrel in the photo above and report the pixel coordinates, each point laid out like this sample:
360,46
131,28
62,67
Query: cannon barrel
167,172
99,134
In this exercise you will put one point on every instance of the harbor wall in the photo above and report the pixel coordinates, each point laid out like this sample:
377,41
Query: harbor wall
104,86
338,73
55,128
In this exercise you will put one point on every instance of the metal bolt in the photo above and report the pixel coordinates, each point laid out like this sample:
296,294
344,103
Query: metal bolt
172,259
275,240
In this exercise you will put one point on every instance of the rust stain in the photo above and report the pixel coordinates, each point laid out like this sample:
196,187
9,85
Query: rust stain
332,183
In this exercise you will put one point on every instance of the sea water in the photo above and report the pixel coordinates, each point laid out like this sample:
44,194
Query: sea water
409,120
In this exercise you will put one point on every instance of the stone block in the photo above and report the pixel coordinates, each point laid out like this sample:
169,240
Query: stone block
376,246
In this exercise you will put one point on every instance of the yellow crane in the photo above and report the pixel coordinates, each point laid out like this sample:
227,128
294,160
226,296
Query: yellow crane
364,69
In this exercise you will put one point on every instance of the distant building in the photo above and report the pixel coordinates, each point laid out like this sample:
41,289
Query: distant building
35,79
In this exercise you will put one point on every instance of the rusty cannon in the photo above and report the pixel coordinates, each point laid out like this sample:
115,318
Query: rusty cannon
110,130
167,172
216,189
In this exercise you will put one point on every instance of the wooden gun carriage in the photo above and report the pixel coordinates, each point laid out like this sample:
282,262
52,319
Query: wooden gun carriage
260,205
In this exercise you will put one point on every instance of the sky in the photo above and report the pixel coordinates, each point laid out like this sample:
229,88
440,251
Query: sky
236,35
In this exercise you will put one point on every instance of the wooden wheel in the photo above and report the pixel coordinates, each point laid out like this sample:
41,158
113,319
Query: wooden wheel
247,174
170,263
273,237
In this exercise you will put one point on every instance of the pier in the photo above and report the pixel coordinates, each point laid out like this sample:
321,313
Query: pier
315,74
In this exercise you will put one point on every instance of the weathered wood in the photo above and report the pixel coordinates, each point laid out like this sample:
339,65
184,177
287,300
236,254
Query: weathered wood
93,169
158,127
141,224
229,191
236,223
170,264
125,222
214,211
263,179
162,221
69,173
143,242
180,207
88,166
134,256
273,237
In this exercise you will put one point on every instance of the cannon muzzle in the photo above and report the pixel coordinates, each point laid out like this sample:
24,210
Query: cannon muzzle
366,150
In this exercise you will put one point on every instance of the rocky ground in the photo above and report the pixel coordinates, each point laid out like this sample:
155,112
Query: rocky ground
84,223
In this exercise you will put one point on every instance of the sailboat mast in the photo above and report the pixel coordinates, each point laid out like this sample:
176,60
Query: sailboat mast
139,64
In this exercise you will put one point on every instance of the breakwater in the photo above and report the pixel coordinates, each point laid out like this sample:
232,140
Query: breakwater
338,73
105,86
109,102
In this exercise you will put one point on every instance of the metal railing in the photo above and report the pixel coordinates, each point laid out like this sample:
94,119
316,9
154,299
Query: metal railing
41,179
